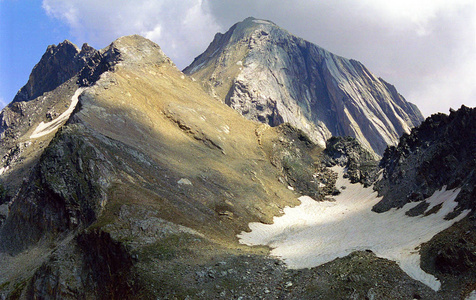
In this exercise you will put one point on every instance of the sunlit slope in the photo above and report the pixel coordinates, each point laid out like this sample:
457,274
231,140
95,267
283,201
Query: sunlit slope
145,134
184,134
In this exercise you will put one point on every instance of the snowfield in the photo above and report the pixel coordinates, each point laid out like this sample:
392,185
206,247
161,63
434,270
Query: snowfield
315,233
46,128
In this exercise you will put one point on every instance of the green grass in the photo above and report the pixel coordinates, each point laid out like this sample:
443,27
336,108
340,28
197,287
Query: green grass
168,248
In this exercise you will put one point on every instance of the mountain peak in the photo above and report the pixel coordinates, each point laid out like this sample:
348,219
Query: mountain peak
272,76
253,22
57,65
66,44
135,49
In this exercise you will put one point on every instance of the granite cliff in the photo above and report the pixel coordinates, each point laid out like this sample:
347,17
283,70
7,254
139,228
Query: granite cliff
272,76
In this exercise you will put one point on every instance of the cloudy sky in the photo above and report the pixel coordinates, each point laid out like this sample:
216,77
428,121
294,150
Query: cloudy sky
426,48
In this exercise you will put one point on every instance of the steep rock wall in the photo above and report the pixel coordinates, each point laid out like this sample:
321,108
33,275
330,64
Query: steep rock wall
271,76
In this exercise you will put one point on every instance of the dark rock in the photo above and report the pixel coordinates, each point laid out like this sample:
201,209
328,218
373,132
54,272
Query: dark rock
440,152
57,65
107,266
292,154
68,184
361,165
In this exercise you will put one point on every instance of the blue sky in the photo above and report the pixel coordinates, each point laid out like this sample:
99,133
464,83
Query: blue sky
25,32
426,48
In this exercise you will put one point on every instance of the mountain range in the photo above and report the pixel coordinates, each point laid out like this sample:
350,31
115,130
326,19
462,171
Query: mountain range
123,177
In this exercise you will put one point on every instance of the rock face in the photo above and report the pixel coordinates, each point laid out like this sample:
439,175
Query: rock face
360,164
440,152
271,76
57,65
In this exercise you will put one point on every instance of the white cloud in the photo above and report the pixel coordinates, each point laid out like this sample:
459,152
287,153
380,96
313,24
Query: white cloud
183,29
448,88
3,103
417,13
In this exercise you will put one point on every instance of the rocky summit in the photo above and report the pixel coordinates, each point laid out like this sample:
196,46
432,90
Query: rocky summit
121,177
272,76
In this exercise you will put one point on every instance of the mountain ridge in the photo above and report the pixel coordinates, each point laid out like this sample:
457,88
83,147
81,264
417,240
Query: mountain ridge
269,75
58,64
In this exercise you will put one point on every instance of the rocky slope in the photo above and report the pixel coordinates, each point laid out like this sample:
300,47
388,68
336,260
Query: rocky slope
129,181
269,75
441,152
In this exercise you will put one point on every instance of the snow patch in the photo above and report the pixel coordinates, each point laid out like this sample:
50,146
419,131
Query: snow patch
184,181
471,296
45,128
4,169
262,22
315,233
225,129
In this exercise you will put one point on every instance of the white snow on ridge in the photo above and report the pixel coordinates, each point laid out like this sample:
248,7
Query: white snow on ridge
46,128
262,22
315,233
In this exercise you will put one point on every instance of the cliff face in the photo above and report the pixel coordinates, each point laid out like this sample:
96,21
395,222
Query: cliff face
57,65
271,76
440,152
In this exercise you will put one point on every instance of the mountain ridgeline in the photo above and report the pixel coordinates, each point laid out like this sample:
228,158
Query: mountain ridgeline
272,76
122,177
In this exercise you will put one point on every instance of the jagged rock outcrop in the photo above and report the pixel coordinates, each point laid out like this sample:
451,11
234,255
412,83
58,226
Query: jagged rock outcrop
269,75
440,152
45,97
360,164
56,66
